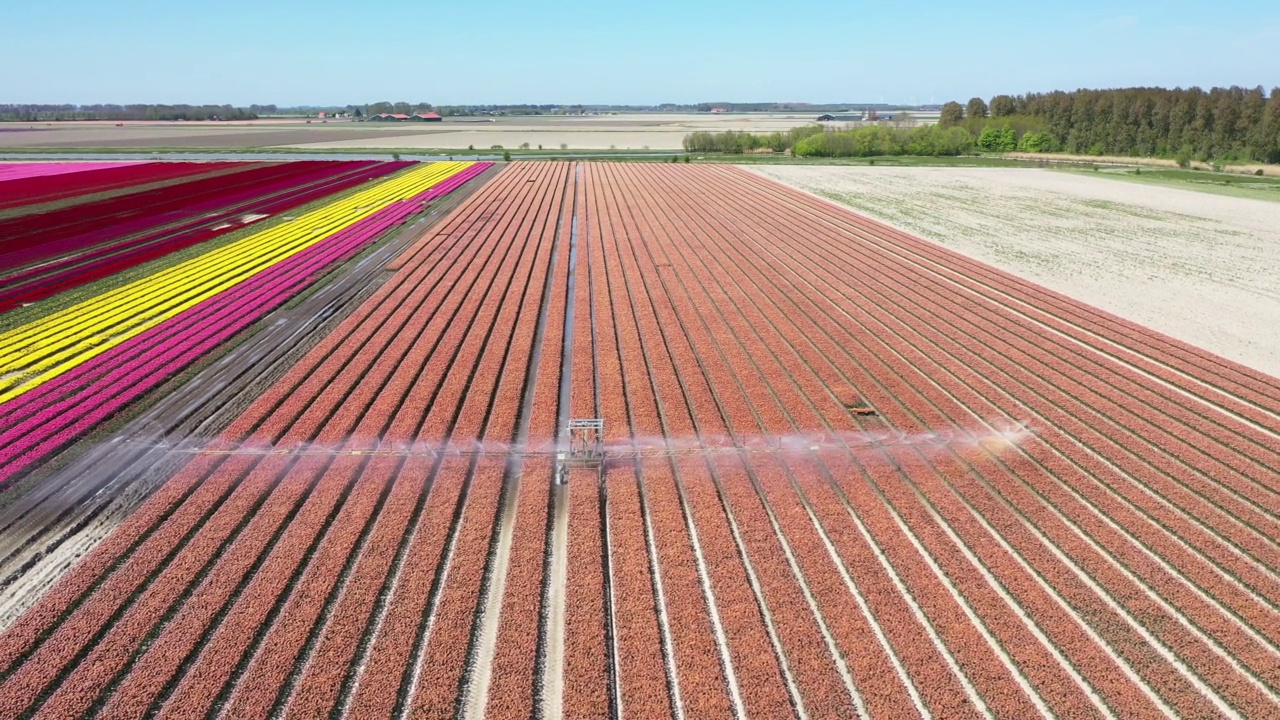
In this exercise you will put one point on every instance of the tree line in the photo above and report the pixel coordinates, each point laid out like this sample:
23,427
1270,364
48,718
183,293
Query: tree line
49,113
738,142
1221,124
871,140
1229,124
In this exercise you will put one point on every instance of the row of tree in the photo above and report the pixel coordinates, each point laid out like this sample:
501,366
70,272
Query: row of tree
870,140
877,140
1222,124
738,142
48,113
1219,124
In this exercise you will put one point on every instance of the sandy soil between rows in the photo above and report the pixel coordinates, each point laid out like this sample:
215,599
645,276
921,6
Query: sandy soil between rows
1202,268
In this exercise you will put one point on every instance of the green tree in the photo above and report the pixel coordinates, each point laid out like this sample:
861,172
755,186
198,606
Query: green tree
1002,105
1271,128
1036,142
1008,139
989,140
977,108
1252,123
952,114
998,139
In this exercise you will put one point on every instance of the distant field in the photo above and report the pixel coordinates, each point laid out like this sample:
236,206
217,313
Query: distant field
1200,267
639,131
655,131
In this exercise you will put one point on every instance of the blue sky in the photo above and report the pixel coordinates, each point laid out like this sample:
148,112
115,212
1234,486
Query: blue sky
324,51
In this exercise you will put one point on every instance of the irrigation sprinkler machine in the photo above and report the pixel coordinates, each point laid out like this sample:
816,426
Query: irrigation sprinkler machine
586,447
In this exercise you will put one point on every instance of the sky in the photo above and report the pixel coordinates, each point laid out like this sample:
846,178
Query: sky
336,52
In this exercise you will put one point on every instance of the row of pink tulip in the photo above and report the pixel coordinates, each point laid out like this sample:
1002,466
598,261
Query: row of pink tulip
22,171
40,422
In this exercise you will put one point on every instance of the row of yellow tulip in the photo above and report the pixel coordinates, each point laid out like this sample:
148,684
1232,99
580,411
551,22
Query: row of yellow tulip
35,353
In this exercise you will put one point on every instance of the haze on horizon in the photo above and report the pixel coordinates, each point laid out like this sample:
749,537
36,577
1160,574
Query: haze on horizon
322,52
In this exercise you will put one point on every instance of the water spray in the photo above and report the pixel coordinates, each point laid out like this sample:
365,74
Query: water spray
589,445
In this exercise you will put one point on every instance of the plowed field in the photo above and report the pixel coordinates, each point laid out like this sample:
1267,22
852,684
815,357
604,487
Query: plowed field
847,473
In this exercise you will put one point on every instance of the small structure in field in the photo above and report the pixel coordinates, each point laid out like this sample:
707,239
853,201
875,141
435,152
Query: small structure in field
586,447
425,117
586,440
828,117
389,117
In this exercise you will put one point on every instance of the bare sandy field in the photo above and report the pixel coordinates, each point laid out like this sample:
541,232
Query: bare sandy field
638,131
1202,268
657,131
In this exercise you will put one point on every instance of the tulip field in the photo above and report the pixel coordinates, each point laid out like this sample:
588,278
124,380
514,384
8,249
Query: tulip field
60,250
844,472
69,370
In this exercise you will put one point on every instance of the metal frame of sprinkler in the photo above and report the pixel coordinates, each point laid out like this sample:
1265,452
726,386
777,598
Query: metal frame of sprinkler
586,447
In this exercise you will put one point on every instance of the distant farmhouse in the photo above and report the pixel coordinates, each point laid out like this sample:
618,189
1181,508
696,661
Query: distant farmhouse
871,116
403,118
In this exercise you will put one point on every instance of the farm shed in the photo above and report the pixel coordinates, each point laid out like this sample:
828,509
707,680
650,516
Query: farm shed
425,117
389,117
